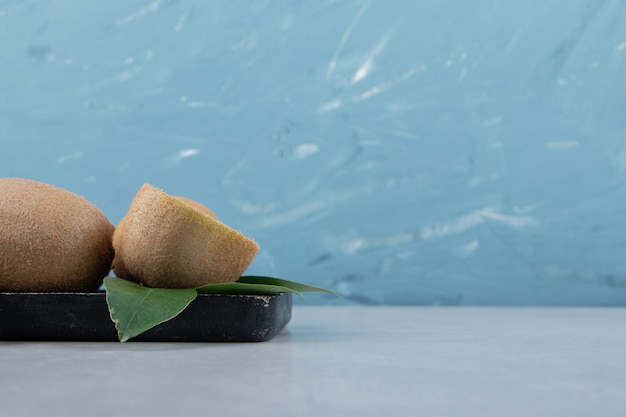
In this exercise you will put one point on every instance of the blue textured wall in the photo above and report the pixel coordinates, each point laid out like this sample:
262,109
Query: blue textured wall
415,152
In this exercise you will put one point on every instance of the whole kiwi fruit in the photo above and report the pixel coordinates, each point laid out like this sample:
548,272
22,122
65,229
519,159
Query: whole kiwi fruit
51,239
173,242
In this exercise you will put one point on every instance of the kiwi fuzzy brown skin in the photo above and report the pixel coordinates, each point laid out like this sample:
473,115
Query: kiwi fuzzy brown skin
118,263
51,240
195,205
168,242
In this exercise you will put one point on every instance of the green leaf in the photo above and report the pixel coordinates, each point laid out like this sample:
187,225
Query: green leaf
296,286
135,309
240,288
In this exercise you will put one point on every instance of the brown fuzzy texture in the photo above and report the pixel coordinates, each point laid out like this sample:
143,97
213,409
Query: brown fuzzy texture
195,205
51,239
171,242
118,263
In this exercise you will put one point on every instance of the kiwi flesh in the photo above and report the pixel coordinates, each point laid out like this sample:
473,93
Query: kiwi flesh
173,242
51,240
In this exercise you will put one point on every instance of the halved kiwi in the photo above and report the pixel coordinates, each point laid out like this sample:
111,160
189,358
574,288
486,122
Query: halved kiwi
173,242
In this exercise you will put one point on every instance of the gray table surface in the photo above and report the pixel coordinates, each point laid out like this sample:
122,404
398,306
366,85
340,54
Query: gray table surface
333,361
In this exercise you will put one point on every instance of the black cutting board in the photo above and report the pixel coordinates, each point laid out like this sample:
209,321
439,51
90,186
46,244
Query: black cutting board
85,317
